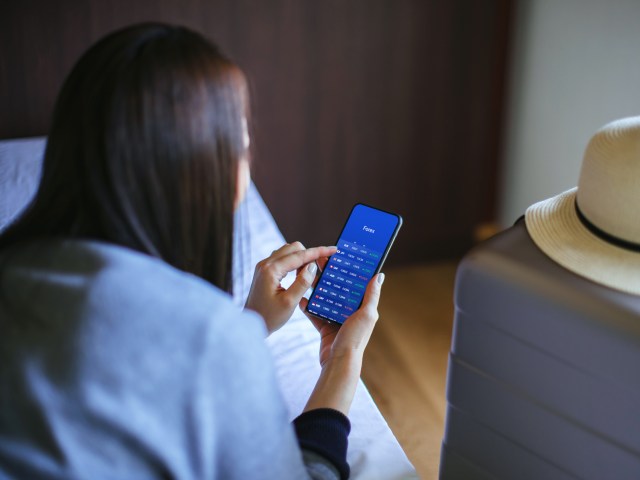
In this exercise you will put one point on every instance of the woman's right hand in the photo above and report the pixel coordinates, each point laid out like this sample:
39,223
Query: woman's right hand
268,297
341,351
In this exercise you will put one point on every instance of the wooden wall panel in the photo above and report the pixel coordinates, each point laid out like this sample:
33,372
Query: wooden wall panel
396,103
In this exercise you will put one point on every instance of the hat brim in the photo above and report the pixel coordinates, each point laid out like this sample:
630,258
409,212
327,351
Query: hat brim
555,228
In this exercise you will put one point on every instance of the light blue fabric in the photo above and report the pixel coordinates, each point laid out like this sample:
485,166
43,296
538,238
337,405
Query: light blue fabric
115,365
20,168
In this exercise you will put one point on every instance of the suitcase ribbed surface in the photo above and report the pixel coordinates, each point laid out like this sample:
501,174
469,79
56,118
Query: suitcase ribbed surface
544,371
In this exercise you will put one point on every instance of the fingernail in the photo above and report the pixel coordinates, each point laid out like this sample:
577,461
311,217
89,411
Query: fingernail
380,278
312,268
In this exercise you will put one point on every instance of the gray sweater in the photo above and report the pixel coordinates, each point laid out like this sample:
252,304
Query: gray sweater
115,365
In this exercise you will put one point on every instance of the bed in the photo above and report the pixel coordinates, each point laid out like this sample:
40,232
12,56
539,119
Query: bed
374,452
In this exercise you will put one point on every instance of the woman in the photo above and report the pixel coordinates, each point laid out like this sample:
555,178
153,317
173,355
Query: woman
122,354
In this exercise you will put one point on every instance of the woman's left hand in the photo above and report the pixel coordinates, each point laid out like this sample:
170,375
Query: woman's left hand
268,297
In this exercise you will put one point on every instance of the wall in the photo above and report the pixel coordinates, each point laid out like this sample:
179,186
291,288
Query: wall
575,67
392,103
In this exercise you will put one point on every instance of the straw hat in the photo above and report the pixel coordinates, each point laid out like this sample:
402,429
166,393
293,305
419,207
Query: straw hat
594,229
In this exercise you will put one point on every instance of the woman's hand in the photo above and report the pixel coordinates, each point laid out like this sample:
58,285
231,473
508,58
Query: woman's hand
341,351
353,336
268,297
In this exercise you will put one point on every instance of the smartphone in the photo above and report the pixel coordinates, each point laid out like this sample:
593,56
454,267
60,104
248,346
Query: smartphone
363,245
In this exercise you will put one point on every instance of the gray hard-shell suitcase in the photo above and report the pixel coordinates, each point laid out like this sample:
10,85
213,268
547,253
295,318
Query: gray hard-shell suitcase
544,370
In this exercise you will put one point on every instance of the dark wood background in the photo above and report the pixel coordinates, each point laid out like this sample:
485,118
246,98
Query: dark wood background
395,103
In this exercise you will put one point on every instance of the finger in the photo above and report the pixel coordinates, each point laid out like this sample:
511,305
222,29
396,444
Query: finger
286,249
302,283
372,293
272,266
321,263
274,255
295,260
274,252
317,278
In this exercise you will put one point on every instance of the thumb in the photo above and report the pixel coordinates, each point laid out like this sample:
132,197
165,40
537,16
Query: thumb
303,281
372,293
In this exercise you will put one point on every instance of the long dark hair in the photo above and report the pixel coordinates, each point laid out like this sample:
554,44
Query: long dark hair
143,151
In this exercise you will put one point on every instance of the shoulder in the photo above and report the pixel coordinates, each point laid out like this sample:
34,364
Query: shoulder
137,278
116,287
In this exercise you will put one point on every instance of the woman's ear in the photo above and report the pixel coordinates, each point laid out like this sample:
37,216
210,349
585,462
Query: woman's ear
242,182
244,172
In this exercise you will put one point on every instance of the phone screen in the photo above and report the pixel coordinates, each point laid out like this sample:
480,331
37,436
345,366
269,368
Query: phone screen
362,248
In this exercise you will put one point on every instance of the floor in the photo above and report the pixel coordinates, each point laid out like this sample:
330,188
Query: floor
406,361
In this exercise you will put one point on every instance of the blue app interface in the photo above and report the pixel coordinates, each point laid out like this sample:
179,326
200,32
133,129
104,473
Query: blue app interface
361,247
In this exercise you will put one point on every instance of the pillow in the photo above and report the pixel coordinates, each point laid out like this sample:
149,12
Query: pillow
20,169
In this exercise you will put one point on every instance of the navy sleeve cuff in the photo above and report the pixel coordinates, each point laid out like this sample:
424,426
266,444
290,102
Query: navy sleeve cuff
325,431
